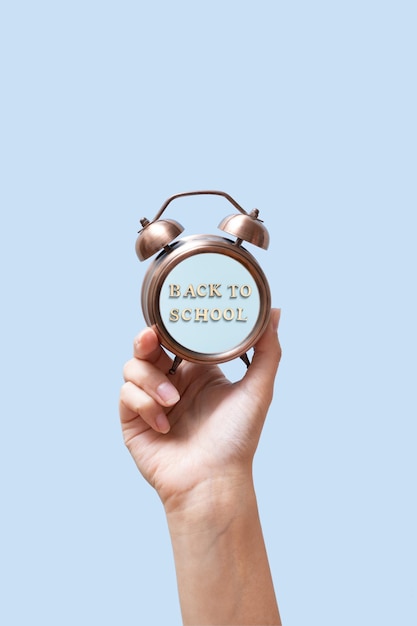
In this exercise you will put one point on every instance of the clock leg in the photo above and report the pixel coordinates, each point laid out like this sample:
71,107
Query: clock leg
245,359
174,365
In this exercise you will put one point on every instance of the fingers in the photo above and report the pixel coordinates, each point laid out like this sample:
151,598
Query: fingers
147,389
136,403
146,346
151,380
267,355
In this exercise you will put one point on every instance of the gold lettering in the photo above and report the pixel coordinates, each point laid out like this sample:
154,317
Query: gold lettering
204,315
184,317
174,291
215,314
201,315
228,315
174,315
190,292
214,290
245,291
200,292
232,290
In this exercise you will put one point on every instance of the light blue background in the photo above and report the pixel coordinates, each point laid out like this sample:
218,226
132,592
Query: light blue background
305,110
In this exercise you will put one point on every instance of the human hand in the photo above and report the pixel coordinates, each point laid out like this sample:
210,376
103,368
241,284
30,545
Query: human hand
188,429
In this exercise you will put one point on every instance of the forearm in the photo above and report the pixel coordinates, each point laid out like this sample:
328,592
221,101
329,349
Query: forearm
221,562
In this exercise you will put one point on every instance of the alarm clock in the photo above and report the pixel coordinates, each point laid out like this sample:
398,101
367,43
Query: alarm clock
206,296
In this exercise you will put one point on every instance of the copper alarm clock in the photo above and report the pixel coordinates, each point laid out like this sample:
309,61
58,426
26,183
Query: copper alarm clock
206,296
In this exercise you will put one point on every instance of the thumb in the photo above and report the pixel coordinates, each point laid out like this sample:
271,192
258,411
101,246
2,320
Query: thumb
267,355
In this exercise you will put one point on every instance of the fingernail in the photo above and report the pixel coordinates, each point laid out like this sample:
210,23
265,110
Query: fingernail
275,317
168,393
162,423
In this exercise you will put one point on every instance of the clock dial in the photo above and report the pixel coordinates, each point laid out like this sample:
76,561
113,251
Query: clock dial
207,299
209,303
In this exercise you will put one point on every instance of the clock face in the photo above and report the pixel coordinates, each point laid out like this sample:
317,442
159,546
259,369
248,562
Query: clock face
207,299
209,303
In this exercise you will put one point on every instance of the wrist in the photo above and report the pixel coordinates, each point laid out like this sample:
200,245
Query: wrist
211,503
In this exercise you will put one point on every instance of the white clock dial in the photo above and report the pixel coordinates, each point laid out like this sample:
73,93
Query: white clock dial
209,303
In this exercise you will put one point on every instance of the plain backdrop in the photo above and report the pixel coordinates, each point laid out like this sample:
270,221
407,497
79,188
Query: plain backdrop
305,110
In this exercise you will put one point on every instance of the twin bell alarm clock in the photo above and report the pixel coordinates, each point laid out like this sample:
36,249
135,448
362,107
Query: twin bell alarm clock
206,296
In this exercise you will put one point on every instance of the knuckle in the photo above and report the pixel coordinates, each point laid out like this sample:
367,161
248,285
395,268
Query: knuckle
124,392
145,406
127,370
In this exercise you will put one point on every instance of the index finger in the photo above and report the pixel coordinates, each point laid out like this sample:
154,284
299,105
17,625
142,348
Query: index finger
146,347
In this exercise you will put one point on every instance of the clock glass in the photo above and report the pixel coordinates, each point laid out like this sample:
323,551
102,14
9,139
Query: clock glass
209,303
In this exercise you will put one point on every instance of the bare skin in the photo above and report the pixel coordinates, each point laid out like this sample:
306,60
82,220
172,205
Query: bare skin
193,437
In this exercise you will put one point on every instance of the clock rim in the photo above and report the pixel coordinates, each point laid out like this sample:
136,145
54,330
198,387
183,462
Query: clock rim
174,254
